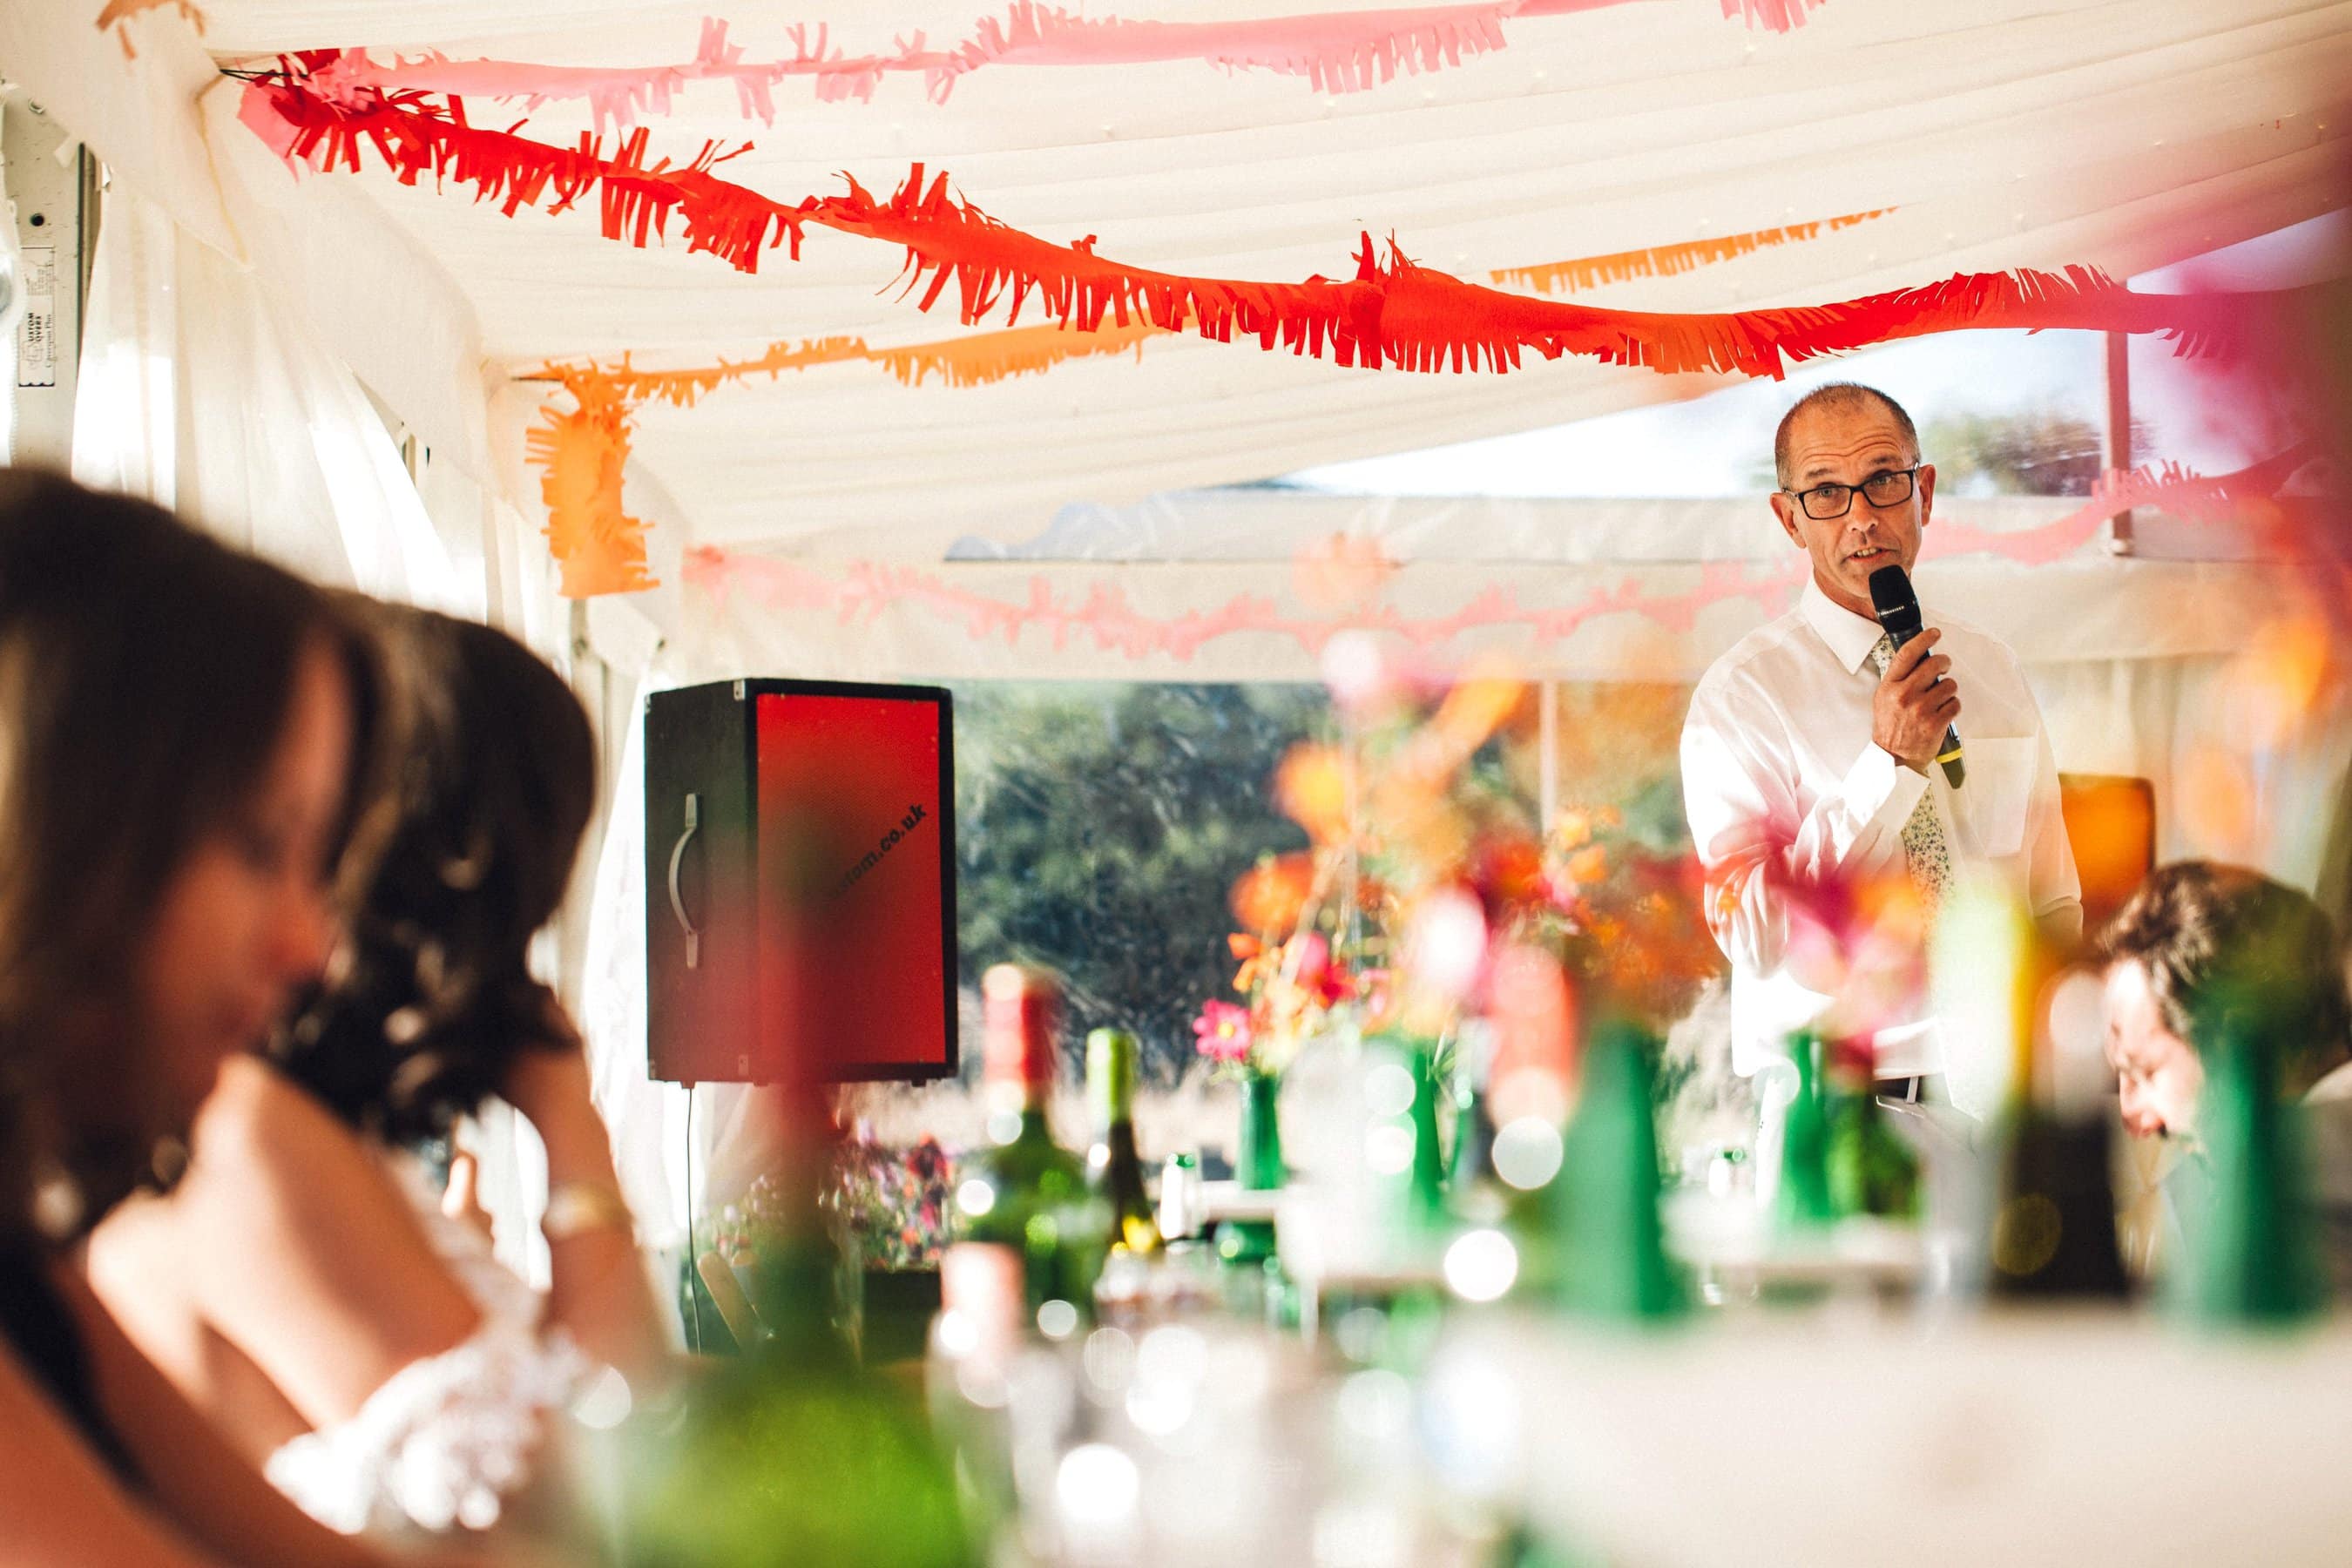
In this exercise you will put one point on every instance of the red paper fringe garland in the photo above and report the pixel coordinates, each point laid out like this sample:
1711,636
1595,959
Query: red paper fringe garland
1392,313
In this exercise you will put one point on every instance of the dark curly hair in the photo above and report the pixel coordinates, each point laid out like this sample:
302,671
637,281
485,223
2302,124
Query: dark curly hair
470,848
2223,944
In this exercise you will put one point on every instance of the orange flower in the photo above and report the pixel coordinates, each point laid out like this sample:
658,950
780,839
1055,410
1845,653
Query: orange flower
1476,708
1271,895
1510,869
1588,865
1312,786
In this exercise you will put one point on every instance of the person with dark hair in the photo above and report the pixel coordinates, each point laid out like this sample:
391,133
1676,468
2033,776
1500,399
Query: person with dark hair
179,725
1810,753
2202,948
303,1286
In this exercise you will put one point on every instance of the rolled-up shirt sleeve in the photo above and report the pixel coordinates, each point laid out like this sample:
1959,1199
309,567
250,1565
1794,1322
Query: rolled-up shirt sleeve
1739,793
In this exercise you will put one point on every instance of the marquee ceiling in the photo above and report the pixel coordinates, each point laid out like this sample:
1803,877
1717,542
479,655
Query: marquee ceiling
2004,133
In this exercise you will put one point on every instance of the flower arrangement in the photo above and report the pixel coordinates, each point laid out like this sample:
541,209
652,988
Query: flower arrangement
1421,835
1625,913
1292,987
1860,941
890,1203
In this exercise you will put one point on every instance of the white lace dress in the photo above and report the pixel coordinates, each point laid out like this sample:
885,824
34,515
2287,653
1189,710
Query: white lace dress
443,1441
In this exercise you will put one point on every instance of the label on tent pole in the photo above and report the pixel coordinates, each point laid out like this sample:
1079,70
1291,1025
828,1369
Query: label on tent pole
36,335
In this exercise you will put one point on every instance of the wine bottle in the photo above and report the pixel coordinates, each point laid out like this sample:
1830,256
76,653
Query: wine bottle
1024,1192
1114,1170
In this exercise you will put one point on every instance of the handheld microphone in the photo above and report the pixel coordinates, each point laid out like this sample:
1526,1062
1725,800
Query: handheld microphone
1898,612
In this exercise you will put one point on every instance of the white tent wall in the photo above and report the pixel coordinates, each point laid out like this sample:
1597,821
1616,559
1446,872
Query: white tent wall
201,394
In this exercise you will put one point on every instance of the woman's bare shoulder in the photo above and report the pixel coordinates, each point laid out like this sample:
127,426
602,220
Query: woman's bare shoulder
259,1122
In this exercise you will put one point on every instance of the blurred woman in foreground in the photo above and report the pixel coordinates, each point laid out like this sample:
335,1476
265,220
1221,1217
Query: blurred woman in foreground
2199,941
178,729
302,1285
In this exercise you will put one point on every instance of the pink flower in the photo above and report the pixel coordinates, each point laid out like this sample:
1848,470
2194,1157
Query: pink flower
1225,1031
1445,944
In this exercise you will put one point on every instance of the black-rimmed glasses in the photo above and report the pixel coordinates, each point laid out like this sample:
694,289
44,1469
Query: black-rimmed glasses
1888,487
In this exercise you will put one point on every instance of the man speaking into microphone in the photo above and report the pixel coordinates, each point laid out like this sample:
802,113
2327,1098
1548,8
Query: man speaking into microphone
1811,751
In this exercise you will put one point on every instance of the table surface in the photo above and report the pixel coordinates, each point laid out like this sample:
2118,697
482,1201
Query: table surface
2063,1437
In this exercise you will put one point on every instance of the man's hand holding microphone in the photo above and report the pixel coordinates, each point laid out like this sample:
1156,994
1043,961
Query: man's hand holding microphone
1916,704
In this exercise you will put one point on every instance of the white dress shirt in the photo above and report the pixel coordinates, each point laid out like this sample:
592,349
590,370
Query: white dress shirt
1778,760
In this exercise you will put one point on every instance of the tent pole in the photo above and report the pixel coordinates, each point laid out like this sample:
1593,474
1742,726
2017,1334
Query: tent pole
2119,436
1548,758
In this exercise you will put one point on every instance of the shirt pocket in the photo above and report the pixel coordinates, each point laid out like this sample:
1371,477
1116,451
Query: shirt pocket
1992,807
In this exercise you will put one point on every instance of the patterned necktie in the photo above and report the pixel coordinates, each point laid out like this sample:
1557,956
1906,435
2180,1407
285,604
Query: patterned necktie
1924,844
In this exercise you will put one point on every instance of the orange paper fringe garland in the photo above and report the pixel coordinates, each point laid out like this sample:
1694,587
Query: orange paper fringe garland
1392,313
118,14
598,547
1667,260
975,360
580,454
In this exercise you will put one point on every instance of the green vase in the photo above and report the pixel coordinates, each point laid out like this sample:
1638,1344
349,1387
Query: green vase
1428,1161
1609,1243
1258,1153
2252,1254
1804,1196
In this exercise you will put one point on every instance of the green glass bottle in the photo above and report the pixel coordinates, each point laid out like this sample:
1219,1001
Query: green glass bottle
1114,1169
1026,1191
1872,1169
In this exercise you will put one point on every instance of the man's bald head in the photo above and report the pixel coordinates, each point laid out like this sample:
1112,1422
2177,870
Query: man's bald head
1837,397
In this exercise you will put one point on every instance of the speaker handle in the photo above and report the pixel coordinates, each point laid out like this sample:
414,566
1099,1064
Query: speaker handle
677,899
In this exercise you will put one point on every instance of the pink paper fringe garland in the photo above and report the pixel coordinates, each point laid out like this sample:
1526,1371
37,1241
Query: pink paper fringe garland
1104,620
1333,52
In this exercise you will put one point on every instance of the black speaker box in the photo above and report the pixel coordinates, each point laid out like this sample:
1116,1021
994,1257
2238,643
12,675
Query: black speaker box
800,882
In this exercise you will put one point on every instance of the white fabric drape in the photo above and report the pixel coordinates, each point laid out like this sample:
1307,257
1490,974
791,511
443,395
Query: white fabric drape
203,394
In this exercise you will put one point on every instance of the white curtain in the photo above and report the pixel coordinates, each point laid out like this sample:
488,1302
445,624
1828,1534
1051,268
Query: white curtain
201,392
